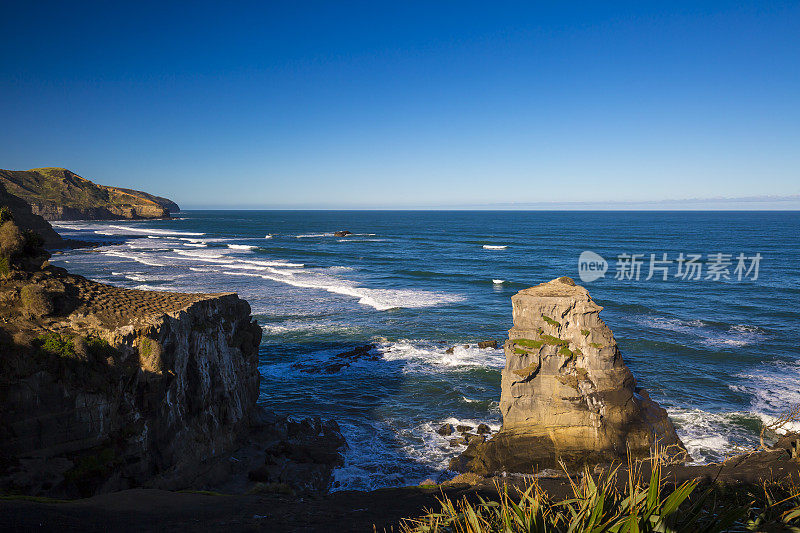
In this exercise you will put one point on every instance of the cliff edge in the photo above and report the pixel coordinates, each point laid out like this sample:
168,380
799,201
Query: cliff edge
59,194
104,388
566,395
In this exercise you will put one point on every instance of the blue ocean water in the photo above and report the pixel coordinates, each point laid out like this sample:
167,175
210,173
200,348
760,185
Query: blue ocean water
721,355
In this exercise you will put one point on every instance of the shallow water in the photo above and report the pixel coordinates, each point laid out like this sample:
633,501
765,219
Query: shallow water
719,355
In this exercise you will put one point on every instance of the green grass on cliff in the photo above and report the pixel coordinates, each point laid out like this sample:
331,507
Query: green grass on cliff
61,187
53,344
528,343
550,321
554,341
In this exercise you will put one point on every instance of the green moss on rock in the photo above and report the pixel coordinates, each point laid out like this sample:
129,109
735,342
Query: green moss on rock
554,341
550,321
528,343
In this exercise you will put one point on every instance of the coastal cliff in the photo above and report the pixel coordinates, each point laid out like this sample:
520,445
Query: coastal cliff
566,393
21,212
104,389
59,194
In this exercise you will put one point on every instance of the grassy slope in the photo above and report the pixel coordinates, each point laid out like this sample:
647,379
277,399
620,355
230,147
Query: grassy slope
64,188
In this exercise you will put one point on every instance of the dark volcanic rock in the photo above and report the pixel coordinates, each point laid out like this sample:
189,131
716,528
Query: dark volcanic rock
342,233
301,455
487,344
445,430
339,361
483,429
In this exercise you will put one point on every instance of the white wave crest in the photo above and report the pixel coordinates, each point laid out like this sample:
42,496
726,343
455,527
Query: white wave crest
150,231
494,247
424,356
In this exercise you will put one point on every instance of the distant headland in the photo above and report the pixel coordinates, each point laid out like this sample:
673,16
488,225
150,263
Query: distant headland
59,194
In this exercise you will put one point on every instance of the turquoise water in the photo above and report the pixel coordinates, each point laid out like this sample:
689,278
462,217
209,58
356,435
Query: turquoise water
721,355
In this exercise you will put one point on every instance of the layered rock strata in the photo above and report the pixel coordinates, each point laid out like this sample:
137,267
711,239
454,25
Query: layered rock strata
104,388
567,395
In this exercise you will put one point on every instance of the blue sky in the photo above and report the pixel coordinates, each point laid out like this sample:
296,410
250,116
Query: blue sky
428,104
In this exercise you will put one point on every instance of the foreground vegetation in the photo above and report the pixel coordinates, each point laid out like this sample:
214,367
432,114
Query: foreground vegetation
624,501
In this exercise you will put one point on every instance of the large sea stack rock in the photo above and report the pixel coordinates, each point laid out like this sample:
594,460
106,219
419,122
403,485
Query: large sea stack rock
566,392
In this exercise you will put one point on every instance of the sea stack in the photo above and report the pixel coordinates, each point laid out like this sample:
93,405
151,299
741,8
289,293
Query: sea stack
567,395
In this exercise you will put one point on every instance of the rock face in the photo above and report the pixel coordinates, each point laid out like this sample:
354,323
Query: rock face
108,389
104,388
566,392
58,194
24,217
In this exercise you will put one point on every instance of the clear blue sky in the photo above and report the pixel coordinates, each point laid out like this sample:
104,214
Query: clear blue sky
379,104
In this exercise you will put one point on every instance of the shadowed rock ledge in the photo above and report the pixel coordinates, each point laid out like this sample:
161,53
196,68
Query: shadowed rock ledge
566,392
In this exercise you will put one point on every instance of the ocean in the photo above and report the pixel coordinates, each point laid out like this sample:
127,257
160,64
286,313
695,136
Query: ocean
717,348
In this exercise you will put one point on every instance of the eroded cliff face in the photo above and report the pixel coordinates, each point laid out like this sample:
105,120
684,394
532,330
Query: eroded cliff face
104,388
566,392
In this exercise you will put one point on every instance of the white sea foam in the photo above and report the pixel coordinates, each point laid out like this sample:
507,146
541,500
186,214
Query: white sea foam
271,263
774,388
711,437
494,247
498,281
425,356
268,236
150,231
196,244
708,334
199,254
242,246
312,327
133,257
312,235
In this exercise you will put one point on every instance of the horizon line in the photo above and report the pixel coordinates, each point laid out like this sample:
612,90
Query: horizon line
746,203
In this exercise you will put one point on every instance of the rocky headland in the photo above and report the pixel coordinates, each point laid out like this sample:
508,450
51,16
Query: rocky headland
104,389
138,410
59,194
566,394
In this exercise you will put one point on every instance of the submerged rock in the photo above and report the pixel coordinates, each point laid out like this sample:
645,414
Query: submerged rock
566,393
342,233
339,361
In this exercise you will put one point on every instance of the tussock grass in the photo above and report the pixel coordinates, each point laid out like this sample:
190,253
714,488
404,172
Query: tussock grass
617,502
